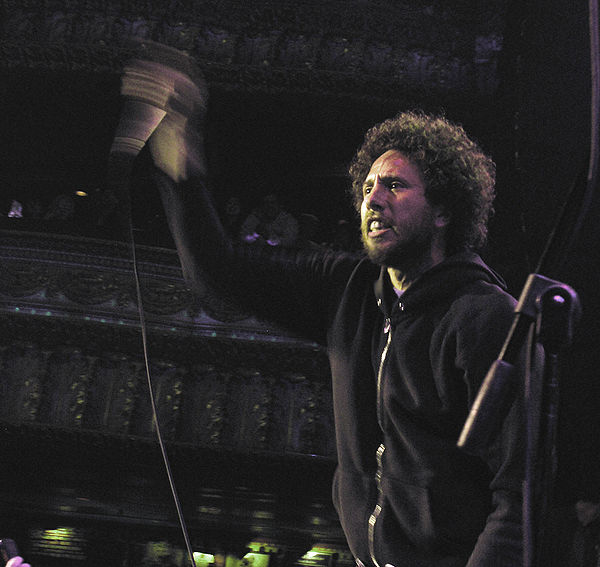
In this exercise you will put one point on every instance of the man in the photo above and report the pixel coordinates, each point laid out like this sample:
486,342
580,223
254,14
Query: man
410,330
270,224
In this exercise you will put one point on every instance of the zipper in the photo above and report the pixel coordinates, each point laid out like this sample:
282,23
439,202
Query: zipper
377,510
387,329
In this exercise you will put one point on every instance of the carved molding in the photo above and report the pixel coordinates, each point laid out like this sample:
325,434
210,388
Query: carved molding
241,410
352,48
72,354
94,279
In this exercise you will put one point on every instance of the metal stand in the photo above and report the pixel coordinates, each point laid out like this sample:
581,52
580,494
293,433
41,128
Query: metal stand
557,311
545,315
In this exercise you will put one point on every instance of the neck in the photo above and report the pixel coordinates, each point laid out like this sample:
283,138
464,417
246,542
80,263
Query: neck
402,278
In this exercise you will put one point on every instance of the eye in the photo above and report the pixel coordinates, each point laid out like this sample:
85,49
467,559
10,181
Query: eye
367,188
396,186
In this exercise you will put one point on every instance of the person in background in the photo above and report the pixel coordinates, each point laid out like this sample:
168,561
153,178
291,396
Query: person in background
270,224
573,534
34,209
309,227
344,237
62,208
16,209
9,556
232,216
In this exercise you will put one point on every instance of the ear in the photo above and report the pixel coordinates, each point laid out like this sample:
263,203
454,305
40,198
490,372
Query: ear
441,217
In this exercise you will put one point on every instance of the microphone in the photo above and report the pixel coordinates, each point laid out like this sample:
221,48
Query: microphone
146,86
163,96
137,122
162,90
144,107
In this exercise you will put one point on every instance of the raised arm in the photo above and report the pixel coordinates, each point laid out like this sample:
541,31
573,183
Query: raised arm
164,107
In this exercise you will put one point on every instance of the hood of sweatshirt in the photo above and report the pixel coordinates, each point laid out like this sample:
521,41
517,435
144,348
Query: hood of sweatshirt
438,283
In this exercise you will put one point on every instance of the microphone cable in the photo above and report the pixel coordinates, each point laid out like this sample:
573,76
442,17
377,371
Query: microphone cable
159,436
157,427
120,168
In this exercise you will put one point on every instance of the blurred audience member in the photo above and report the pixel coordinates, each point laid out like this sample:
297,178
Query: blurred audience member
34,209
270,224
573,536
28,208
232,216
16,209
344,237
309,227
586,540
17,562
62,208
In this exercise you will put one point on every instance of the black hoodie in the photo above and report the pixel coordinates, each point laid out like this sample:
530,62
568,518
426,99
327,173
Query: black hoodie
405,494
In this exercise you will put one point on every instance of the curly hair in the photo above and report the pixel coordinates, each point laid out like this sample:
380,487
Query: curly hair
458,176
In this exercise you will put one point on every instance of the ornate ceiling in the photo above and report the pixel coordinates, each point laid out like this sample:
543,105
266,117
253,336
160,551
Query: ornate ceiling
286,78
355,48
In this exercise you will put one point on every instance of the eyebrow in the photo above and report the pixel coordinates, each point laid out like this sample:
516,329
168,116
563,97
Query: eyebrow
386,179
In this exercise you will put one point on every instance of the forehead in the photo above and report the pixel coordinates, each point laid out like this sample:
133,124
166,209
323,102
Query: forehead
394,163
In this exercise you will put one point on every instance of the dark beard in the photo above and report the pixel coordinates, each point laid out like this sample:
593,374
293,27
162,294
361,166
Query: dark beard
405,255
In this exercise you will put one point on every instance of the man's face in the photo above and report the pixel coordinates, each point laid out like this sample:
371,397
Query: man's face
398,225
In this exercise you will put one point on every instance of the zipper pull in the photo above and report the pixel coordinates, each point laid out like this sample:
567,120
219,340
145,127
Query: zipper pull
387,325
379,456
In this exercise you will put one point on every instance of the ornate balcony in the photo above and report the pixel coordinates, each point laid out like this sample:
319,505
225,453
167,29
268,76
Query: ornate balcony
244,409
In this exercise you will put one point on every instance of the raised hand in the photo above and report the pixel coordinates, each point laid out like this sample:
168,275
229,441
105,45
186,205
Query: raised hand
165,102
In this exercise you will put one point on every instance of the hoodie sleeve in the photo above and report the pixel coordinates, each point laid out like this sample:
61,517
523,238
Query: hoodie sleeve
293,289
500,542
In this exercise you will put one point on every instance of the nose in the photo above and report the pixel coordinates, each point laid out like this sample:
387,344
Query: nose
376,197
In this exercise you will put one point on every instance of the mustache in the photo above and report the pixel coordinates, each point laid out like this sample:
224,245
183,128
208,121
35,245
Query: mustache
370,217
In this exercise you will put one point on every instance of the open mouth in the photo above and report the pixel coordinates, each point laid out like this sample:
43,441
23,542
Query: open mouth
377,228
